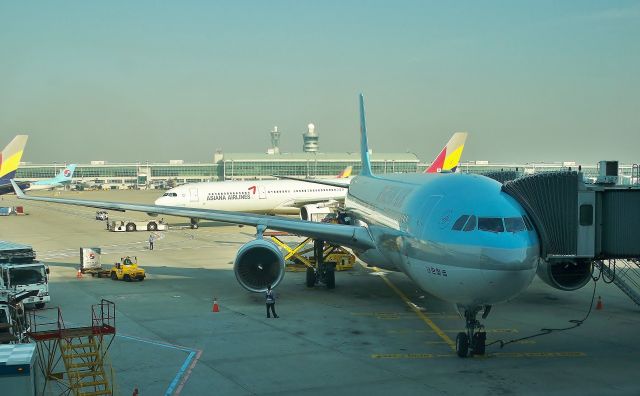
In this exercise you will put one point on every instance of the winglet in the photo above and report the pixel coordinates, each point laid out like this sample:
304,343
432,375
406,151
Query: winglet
364,145
449,157
17,189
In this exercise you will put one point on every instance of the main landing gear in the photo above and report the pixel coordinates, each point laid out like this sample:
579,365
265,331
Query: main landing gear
322,272
194,224
473,341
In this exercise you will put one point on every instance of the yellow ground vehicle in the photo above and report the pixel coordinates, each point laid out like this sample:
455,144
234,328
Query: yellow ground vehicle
127,269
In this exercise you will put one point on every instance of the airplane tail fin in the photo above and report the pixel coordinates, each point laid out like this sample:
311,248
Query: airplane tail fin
364,145
449,157
66,174
10,157
345,173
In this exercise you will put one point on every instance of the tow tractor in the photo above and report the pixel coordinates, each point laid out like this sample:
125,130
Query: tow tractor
131,225
127,270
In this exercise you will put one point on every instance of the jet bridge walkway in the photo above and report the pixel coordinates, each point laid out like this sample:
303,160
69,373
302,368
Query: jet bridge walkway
579,222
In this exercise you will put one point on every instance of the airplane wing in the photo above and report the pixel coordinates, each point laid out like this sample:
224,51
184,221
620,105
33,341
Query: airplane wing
346,235
344,183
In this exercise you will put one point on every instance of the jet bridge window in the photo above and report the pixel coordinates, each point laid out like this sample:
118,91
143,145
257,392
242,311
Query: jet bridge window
491,224
514,224
457,226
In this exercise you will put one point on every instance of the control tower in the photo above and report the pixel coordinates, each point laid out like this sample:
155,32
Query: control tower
310,140
275,141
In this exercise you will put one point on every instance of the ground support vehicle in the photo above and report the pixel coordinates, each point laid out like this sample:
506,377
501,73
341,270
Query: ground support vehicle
127,270
20,271
13,323
131,225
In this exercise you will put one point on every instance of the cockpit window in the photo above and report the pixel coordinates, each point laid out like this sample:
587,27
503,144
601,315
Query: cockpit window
169,195
514,224
457,226
491,224
471,224
527,223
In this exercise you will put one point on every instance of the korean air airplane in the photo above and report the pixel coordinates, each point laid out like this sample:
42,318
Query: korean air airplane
9,162
458,236
62,179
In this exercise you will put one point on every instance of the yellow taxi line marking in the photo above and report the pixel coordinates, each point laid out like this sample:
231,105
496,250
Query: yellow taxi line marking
420,314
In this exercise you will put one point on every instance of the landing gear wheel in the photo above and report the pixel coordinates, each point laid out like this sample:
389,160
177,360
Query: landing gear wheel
462,345
478,343
114,276
330,278
311,277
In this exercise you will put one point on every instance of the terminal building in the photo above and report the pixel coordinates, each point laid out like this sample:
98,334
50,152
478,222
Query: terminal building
255,166
310,163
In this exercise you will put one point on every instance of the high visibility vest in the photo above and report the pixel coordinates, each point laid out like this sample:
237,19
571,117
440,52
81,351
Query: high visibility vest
270,297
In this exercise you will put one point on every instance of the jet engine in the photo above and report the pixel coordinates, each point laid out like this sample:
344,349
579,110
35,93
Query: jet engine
259,263
565,275
317,213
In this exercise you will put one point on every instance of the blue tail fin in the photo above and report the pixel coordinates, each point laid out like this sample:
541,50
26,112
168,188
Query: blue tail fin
364,145
66,174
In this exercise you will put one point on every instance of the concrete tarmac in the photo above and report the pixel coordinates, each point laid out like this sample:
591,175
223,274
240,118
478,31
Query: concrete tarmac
361,338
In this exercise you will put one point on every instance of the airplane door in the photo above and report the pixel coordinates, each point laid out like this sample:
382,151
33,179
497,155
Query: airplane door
263,192
193,195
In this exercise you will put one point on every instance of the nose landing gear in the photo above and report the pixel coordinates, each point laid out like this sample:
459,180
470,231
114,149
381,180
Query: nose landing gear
473,341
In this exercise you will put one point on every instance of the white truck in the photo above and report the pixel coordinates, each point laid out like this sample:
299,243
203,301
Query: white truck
20,271
135,225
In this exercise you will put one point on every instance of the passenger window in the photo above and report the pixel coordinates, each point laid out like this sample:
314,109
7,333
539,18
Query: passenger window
586,215
457,226
491,224
527,222
514,224
471,224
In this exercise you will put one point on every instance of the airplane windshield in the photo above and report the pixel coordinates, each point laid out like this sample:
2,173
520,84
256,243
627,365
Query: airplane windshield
514,224
491,224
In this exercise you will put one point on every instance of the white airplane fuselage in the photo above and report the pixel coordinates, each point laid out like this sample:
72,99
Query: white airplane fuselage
264,197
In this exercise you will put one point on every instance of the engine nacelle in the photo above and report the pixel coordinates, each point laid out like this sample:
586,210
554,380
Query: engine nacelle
565,275
317,213
258,264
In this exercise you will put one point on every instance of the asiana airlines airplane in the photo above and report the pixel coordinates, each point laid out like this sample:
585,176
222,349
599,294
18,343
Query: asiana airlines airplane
311,200
458,236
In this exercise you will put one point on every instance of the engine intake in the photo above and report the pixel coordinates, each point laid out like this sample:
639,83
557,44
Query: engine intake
565,275
259,263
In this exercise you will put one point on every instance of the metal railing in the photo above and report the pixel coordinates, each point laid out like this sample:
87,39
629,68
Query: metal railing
623,273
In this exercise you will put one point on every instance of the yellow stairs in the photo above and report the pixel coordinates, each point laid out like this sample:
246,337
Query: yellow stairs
84,366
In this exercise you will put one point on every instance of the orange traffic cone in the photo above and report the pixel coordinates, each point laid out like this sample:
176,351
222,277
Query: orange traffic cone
215,308
79,274
599,304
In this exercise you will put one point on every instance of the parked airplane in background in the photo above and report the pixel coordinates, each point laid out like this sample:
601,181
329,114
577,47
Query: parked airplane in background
312,199
62,179
449,157
9,162
458,236
259,196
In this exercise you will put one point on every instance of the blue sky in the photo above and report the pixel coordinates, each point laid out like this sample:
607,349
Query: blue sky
137,81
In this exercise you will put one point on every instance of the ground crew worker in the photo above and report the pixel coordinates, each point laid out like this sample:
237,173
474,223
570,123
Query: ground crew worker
271,302
151,241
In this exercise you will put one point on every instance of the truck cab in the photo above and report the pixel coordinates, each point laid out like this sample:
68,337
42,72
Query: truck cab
27,277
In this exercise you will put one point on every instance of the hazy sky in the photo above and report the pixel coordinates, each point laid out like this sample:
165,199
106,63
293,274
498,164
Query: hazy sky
136,81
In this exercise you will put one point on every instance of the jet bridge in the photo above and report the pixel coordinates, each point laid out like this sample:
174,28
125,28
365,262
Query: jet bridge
581,225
